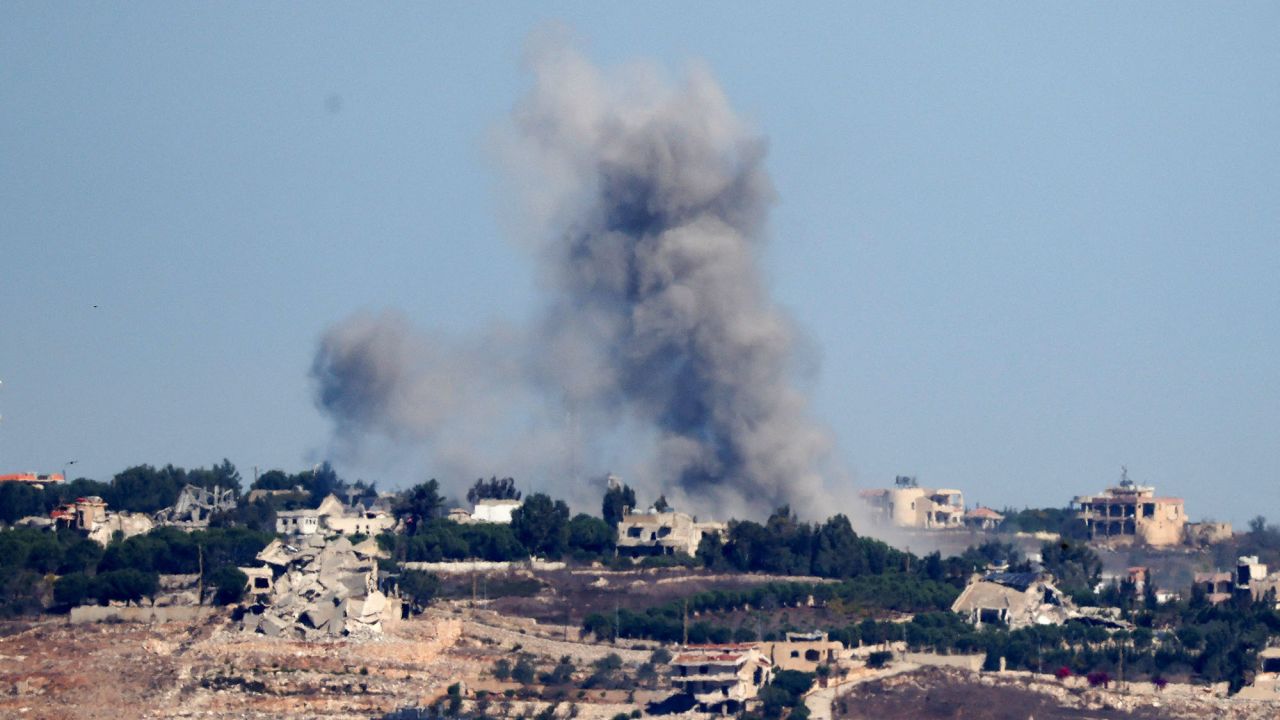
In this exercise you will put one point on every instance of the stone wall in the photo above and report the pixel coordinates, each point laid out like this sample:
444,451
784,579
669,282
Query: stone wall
176,613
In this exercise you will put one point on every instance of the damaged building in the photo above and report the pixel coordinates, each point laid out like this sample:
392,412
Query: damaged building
335,516
663,533
195,505
90,516
721,678
1250,578
1132,513
315,589
907,505
1023,599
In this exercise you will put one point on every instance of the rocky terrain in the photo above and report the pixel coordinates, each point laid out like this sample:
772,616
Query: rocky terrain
935,693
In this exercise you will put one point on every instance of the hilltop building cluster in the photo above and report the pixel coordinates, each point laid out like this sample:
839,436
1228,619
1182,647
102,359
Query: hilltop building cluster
1126,513
370,517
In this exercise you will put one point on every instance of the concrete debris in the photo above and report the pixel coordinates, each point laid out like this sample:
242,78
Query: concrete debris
317,588
195,505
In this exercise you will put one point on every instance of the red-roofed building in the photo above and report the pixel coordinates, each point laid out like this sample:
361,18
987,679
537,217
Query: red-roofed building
721,678
37,480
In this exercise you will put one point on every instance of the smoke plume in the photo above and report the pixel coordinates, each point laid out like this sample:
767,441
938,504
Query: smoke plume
647,205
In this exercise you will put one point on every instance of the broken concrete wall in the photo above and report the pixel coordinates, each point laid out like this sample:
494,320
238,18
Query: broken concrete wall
174,613
319,589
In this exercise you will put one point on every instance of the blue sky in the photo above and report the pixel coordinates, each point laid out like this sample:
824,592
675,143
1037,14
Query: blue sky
1027,244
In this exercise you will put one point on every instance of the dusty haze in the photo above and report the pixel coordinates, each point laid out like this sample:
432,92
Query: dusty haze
657,342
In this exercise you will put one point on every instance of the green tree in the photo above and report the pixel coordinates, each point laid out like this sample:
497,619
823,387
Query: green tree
1076,567
617,499
18,500
126,585
542,525
419,505
273,480
493,489
836,552
420,588
74,589
590,535
229,584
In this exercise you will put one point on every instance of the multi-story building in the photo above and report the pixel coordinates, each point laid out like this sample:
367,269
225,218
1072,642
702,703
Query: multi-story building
802,651
663,533
1132,513
908,505
721,678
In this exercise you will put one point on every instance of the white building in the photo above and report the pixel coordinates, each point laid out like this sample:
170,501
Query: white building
495,511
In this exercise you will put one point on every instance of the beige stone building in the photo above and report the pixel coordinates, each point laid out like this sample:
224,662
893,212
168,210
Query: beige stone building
721,678
983,518
907,505
332,515
663,533
1250,577
802,651
1130,513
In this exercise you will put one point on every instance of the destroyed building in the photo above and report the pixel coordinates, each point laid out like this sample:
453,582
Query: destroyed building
1129,513
663,533
90,516
336,517
721,678
1206,532
1217,586
1250,579
195,505
317,589
907,505
1022,599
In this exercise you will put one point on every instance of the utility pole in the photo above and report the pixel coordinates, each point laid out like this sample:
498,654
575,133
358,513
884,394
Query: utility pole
685,640
200,580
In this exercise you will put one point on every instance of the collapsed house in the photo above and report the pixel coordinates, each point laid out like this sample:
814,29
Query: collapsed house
195,505
90,516
317,589
1023,599
907,505
663,533
721,678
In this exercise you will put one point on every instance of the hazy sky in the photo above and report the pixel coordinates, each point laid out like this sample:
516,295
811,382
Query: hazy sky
1027,245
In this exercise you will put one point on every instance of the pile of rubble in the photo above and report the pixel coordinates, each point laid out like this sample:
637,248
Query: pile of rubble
195,505
318,588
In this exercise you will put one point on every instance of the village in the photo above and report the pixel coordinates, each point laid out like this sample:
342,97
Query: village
497,634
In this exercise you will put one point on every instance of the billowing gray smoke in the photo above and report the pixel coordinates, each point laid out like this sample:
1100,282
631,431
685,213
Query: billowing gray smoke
649,206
